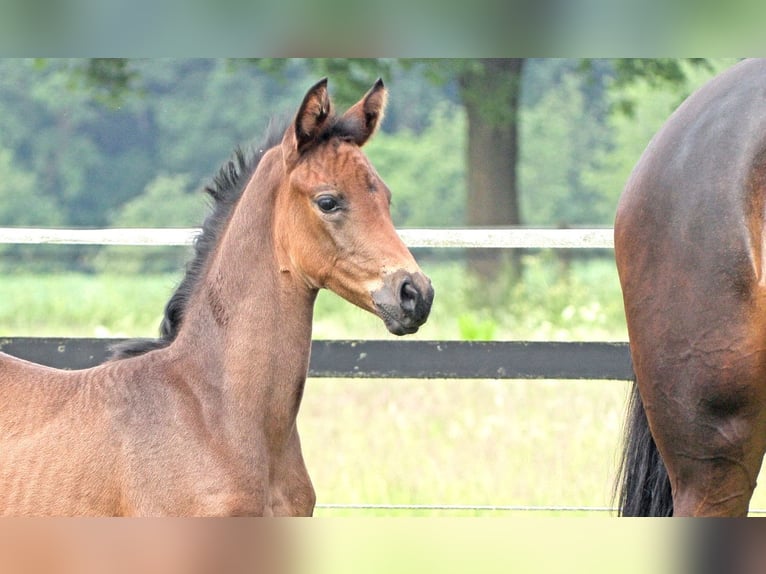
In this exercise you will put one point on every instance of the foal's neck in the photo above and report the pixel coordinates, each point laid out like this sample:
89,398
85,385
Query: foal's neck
256,316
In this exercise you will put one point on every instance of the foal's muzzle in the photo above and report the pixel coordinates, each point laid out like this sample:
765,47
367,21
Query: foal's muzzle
404,301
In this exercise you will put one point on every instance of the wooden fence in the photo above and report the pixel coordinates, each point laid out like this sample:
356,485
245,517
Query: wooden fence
373,359
340,359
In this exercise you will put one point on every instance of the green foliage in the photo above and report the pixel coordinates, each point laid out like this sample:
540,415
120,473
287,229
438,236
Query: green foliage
92,158
58,134
22,204
21,201
426,171
475,328
110,80
658,73
200,110
564,126
610,166
578,145
558,140
88,162
652,103
169,201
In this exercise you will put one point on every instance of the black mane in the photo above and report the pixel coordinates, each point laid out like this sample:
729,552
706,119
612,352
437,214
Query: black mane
225,190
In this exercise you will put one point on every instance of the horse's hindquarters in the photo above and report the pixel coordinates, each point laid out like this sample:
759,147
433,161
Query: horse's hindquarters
698,343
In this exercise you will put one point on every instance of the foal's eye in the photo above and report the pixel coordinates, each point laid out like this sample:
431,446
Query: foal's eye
327,203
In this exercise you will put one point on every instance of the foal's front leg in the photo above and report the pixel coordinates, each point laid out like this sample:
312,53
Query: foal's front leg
292,493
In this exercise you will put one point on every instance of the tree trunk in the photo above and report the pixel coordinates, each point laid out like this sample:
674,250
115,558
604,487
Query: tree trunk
490,93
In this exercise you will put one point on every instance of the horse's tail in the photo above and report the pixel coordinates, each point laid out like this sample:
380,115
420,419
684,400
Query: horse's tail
643,486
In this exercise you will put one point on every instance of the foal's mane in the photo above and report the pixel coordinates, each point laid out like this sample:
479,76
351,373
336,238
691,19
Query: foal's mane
225,190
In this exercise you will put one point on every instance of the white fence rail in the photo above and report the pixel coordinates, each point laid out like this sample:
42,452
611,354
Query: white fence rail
593,238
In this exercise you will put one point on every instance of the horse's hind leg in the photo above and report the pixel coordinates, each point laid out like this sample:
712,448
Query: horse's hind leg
712,432
718,480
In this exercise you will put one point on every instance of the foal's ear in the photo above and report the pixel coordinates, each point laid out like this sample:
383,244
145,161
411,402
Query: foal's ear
312,114
367,114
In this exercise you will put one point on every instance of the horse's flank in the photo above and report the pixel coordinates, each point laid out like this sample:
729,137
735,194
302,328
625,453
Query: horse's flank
202,422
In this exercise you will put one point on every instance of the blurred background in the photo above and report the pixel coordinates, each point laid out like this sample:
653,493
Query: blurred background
495,143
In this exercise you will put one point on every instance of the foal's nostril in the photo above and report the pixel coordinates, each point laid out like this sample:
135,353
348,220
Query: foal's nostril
403,301
408,296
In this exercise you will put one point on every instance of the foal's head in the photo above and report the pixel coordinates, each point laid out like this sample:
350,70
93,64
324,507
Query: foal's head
333,224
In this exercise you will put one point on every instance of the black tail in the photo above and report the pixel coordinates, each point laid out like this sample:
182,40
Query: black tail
642,487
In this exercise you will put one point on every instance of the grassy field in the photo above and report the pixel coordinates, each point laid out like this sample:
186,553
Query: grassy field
482,442
584,305
492,546
474,442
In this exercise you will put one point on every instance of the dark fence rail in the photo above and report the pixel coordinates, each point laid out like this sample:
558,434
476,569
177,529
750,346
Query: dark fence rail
392,359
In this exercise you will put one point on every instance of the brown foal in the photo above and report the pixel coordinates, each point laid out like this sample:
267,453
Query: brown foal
203,420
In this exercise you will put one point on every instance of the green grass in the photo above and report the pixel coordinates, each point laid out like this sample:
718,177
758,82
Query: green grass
474,442
586,305
446,546
72,304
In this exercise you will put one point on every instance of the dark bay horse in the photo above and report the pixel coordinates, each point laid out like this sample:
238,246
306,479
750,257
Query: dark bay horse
690,245
203,420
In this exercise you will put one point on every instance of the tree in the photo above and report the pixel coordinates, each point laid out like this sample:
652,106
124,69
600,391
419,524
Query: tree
490,90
